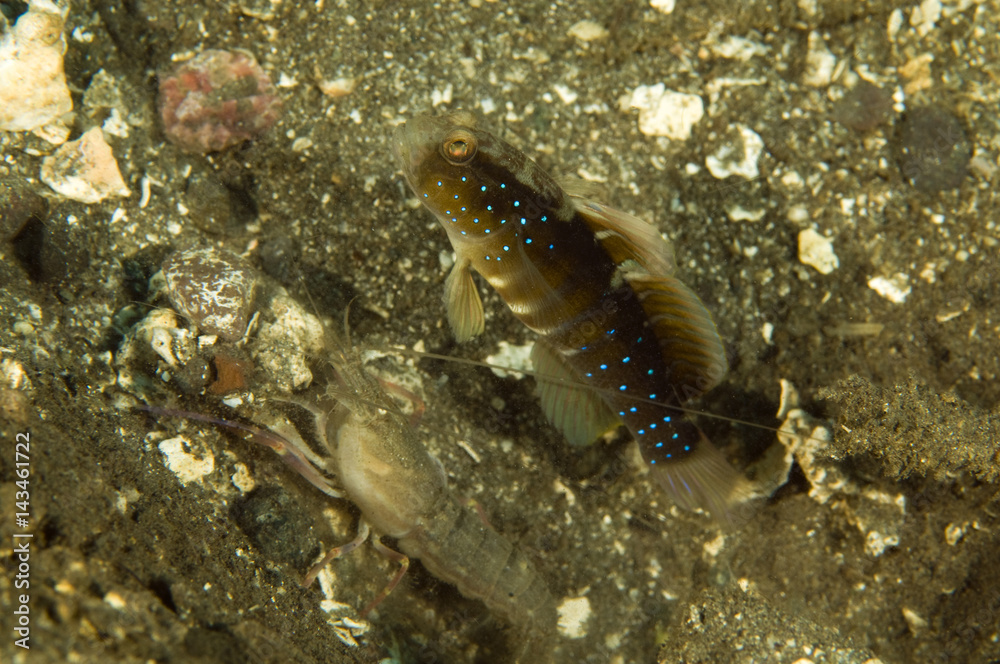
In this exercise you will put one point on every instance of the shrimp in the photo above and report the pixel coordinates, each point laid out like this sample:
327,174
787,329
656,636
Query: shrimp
401,490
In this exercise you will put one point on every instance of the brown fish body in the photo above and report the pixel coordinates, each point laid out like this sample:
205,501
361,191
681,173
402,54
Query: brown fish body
622,340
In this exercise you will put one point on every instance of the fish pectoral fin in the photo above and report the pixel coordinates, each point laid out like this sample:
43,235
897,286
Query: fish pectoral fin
465,308
627,238
577,411
692,349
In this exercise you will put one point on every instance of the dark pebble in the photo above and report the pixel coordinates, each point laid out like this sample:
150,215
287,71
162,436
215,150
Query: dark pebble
934,150
865,107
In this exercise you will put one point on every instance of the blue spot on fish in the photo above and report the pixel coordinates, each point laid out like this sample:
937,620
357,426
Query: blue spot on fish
517,203
623,388
527,241
603,367
483,188
625,361
506,248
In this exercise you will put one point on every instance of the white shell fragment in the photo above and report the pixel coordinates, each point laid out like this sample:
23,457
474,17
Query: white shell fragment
820,63
877,515
587,31
186,466
33,90
212,287
737,155
573,615
85,170
664,112
663,6
286,345
894,288
925,16
816,251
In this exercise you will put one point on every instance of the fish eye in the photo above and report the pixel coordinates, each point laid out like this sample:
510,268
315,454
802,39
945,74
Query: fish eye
459,147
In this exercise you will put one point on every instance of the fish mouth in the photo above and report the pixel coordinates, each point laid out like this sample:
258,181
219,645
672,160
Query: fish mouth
413,141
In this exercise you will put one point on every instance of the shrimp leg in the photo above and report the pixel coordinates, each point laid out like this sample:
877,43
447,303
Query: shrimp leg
404,564
337,552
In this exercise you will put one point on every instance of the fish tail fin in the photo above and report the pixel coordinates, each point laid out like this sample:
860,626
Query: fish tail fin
705,479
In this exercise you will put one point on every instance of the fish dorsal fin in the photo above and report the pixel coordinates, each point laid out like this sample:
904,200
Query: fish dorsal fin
577,411
576,187
626,238
690,343
465,308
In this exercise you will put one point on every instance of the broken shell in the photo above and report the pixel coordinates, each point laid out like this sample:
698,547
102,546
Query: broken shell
85,170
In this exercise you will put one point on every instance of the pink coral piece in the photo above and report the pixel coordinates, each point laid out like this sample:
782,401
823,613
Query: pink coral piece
216,100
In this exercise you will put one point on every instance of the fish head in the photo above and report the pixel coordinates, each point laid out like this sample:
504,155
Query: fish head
466,176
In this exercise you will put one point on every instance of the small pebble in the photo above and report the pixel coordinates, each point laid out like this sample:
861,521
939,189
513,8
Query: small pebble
816,251
864,107
664,112
85,170
212,287
894,288
934,150
737,154
216,100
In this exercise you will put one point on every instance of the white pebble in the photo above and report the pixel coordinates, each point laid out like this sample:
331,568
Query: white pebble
587,31
894,288
820,63
663,6
737,157
816,251
573,613
664,112
187,467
